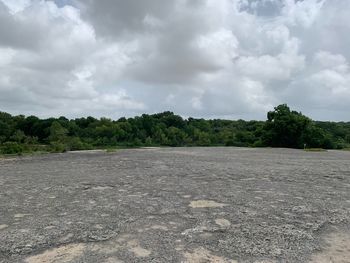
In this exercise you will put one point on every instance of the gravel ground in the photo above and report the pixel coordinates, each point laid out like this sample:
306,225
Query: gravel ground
176,205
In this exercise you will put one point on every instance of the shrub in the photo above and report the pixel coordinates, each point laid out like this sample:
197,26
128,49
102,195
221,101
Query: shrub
75,144
11,148
58,147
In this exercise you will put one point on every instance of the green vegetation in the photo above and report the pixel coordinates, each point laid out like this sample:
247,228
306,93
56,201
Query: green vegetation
283,128
315,150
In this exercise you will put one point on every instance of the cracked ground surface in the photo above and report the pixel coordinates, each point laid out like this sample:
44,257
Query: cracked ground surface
176,205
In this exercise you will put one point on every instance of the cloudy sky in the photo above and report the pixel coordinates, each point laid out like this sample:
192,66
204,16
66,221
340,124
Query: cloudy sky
203,58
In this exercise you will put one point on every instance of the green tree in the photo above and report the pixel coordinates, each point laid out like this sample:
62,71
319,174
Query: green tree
285,128
58,137
315,137
18,136
176,136
57,132
201,138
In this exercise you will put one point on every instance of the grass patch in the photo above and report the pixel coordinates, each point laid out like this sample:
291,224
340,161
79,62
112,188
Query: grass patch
111,150
117,148
23,154
315,150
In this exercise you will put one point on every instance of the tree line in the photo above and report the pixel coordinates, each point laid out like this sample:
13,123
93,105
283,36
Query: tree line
283,128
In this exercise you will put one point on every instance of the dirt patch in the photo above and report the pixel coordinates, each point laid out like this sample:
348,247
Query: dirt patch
205,204
337,250
58,255
202,255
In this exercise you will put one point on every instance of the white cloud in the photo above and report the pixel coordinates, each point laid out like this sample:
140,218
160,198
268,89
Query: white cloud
302,13
327,60
16,6
226,58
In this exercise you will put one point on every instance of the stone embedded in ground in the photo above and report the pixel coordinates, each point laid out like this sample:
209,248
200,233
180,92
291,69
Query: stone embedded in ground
159,227
20,215
222,222
205,204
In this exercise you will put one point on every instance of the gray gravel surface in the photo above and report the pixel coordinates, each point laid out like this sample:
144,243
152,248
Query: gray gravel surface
176,205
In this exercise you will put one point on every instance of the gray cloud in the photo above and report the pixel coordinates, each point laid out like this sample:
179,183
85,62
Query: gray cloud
267,8
114,18
227,58
18,32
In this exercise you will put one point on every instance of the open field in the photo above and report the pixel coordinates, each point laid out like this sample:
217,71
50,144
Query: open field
176,205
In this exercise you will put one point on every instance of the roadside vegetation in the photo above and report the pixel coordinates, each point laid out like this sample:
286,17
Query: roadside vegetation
283,128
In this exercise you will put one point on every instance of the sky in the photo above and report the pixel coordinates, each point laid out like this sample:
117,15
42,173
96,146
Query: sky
231,59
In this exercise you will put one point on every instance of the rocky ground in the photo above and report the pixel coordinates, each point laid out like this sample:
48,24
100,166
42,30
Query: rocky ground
176,205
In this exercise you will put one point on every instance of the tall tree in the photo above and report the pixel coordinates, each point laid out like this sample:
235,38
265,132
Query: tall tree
285,128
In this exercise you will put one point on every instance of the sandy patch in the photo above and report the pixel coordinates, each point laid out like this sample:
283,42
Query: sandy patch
106,248
124,242
205,204
202,255
73,252
337,250
139,251
58,255
112,260
222,222
3,226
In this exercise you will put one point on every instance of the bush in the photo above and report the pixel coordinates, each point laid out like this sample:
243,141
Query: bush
58,147
75,144
259,143
11,148
315,150
236,143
